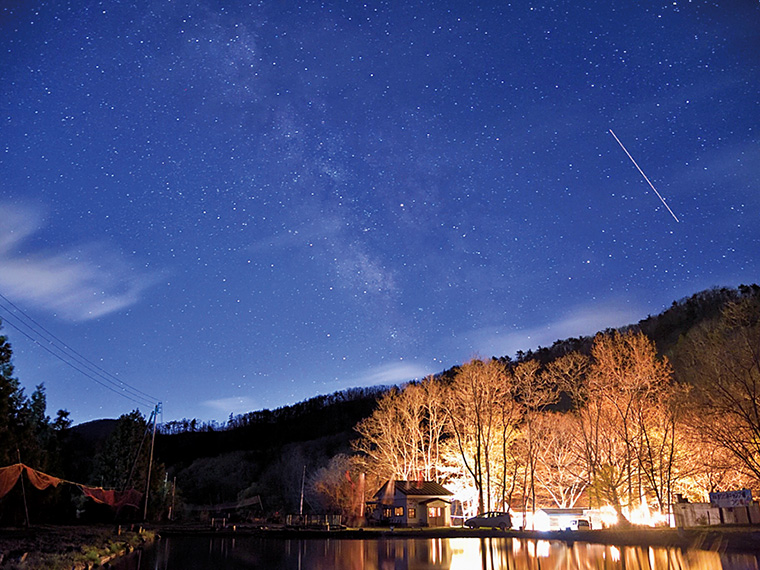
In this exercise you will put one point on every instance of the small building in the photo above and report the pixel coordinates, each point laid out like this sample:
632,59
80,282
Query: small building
412,503
707,514
557,519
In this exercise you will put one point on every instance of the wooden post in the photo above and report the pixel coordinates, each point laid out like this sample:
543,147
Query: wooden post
23,489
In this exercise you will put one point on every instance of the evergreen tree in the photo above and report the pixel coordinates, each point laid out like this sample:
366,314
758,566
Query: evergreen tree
26,432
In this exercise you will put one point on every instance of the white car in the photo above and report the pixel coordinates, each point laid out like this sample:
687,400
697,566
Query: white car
492,519
579,524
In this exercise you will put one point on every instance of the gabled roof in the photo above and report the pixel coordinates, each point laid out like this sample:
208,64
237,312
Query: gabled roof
557,512
426,488
434,500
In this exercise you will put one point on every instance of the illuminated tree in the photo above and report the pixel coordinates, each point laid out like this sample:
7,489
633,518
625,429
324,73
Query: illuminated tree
708,465
560,470
721,359
340,487
663,453
483,417
536,391
617,400
402,438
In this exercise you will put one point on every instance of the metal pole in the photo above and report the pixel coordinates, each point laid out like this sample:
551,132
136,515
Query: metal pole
303,482
150,461
174,489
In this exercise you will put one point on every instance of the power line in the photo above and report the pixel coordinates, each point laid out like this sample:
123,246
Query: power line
80,358
83,372
66,354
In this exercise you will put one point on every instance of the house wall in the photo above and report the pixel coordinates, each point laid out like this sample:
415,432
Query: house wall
409,510
442,510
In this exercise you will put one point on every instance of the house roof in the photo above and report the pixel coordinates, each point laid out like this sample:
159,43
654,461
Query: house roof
426,488
435,500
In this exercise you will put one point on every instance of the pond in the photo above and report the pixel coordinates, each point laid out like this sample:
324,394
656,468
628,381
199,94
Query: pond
254,553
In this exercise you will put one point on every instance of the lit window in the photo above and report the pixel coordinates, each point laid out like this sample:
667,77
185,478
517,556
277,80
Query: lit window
412,513
399,512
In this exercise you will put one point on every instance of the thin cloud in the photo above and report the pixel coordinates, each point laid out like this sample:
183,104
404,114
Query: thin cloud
389,374
233,405
582,321
78,284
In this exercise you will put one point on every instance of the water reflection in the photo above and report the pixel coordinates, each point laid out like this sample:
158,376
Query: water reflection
419,554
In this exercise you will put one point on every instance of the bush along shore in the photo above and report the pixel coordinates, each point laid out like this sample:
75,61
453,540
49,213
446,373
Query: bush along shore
68,547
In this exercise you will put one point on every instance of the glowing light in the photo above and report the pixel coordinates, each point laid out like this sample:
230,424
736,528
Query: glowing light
465,554
608,516
615,553
643,515
540,521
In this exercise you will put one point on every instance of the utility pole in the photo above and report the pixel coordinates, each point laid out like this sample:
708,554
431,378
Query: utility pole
303,483
174,490
150,461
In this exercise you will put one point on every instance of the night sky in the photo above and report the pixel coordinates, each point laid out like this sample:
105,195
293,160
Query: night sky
233,206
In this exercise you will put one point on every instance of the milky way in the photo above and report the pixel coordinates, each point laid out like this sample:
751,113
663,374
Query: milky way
237,206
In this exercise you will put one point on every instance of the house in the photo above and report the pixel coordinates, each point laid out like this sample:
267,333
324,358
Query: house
412,503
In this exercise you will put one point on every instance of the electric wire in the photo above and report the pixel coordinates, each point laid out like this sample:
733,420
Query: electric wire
66,354
80,358
83,372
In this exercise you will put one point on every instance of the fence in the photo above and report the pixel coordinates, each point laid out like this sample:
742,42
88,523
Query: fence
314,521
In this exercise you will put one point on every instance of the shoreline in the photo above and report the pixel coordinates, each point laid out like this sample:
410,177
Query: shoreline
52,547
722,539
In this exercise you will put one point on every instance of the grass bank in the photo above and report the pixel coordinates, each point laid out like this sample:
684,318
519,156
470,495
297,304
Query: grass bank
48,547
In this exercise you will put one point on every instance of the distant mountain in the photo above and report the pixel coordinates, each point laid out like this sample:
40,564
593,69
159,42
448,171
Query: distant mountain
95,431
83,443
266,451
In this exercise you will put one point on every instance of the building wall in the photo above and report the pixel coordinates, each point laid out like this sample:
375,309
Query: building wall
408,510
704,514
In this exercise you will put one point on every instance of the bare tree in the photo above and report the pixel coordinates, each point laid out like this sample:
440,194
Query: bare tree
616,402
476,404
340,487
722,360
402,438
708,466
536,391
560,469
662,449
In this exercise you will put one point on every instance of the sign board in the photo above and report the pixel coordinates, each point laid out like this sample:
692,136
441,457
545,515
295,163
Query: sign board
741,498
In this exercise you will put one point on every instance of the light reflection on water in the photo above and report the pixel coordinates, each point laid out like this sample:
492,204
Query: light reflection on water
201,553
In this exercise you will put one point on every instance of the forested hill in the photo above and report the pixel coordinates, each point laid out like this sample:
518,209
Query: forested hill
339,412
664,329
217,463
315,418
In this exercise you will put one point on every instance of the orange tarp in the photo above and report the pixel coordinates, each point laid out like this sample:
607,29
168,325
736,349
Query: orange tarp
41,480
116,499
8,477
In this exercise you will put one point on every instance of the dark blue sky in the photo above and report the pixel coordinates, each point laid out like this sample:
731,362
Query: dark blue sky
233,206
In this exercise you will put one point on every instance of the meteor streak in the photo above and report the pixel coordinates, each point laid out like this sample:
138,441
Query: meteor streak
645,176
